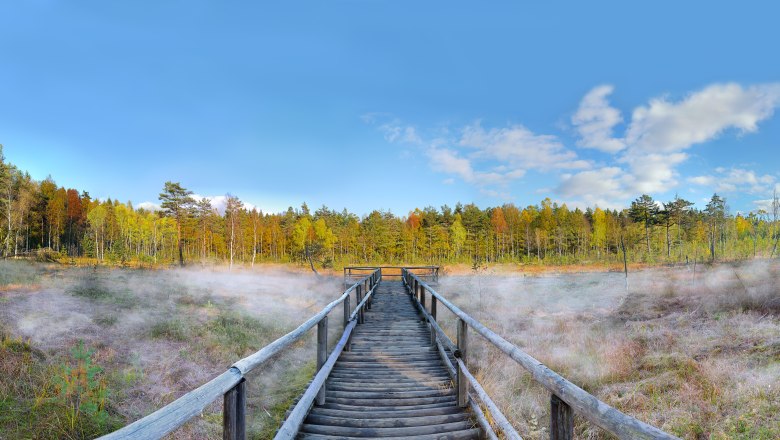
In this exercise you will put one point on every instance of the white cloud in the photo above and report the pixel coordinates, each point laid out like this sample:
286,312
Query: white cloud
660,132
652,173
664,126
594,186
702,180
497,157
449,161
149,206
220,202
392,128
736,179
645,157
595,120
520,148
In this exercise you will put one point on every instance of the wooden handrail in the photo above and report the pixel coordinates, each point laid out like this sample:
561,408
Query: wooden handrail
293,423
582,402
170,417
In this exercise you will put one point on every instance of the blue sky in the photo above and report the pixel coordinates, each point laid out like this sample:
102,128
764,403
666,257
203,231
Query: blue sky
395,104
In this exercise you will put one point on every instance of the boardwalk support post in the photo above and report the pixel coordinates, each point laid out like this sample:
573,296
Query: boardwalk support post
358,299
463,382
561,419
322,354
234,413
347,312
433,318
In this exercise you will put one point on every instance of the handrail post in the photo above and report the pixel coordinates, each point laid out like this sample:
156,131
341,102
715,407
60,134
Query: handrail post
422,296
346,321
463,383
433,317
358,299
322,354
234,412
369,286
561,419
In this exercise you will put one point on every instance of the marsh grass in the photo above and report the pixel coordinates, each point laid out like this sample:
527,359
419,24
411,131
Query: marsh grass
699,359
232,335
92,285
292,384
62,397
21,273
172,329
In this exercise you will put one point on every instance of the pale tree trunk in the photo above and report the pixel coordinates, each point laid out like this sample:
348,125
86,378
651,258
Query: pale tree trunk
232,239
254,241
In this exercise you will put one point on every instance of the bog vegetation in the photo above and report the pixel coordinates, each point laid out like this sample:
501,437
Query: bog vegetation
85,350
58,222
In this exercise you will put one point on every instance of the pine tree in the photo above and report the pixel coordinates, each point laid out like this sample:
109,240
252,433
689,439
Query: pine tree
177,203
645,210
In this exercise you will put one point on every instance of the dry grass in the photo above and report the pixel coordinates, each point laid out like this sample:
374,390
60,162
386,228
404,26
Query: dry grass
699,358
157,334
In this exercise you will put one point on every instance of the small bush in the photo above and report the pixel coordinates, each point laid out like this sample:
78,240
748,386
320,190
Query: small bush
50,400
233,335
90,286
174,330
81,390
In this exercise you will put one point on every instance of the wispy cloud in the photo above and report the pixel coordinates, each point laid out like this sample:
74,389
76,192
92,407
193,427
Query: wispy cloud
595,120
735,179
520,148
644,159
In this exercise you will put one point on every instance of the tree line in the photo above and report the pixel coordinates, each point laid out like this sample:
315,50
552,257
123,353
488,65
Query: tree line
40,215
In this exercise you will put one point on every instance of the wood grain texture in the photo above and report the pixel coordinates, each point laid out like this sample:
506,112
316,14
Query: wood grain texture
392,383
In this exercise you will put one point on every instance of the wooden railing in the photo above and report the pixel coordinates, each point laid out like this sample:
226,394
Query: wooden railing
566,398
231,384
428,273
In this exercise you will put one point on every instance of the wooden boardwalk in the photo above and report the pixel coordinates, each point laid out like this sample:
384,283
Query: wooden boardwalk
391,383
394,373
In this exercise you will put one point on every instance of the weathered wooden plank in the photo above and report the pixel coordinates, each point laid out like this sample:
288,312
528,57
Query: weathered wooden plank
391,394
295,419
469,434
386,414
448,404
385,432
441,336
396,422
394,401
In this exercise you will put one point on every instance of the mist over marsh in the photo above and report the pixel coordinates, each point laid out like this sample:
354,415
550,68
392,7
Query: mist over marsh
695,355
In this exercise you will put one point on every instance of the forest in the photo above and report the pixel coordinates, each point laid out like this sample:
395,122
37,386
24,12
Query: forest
42,218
